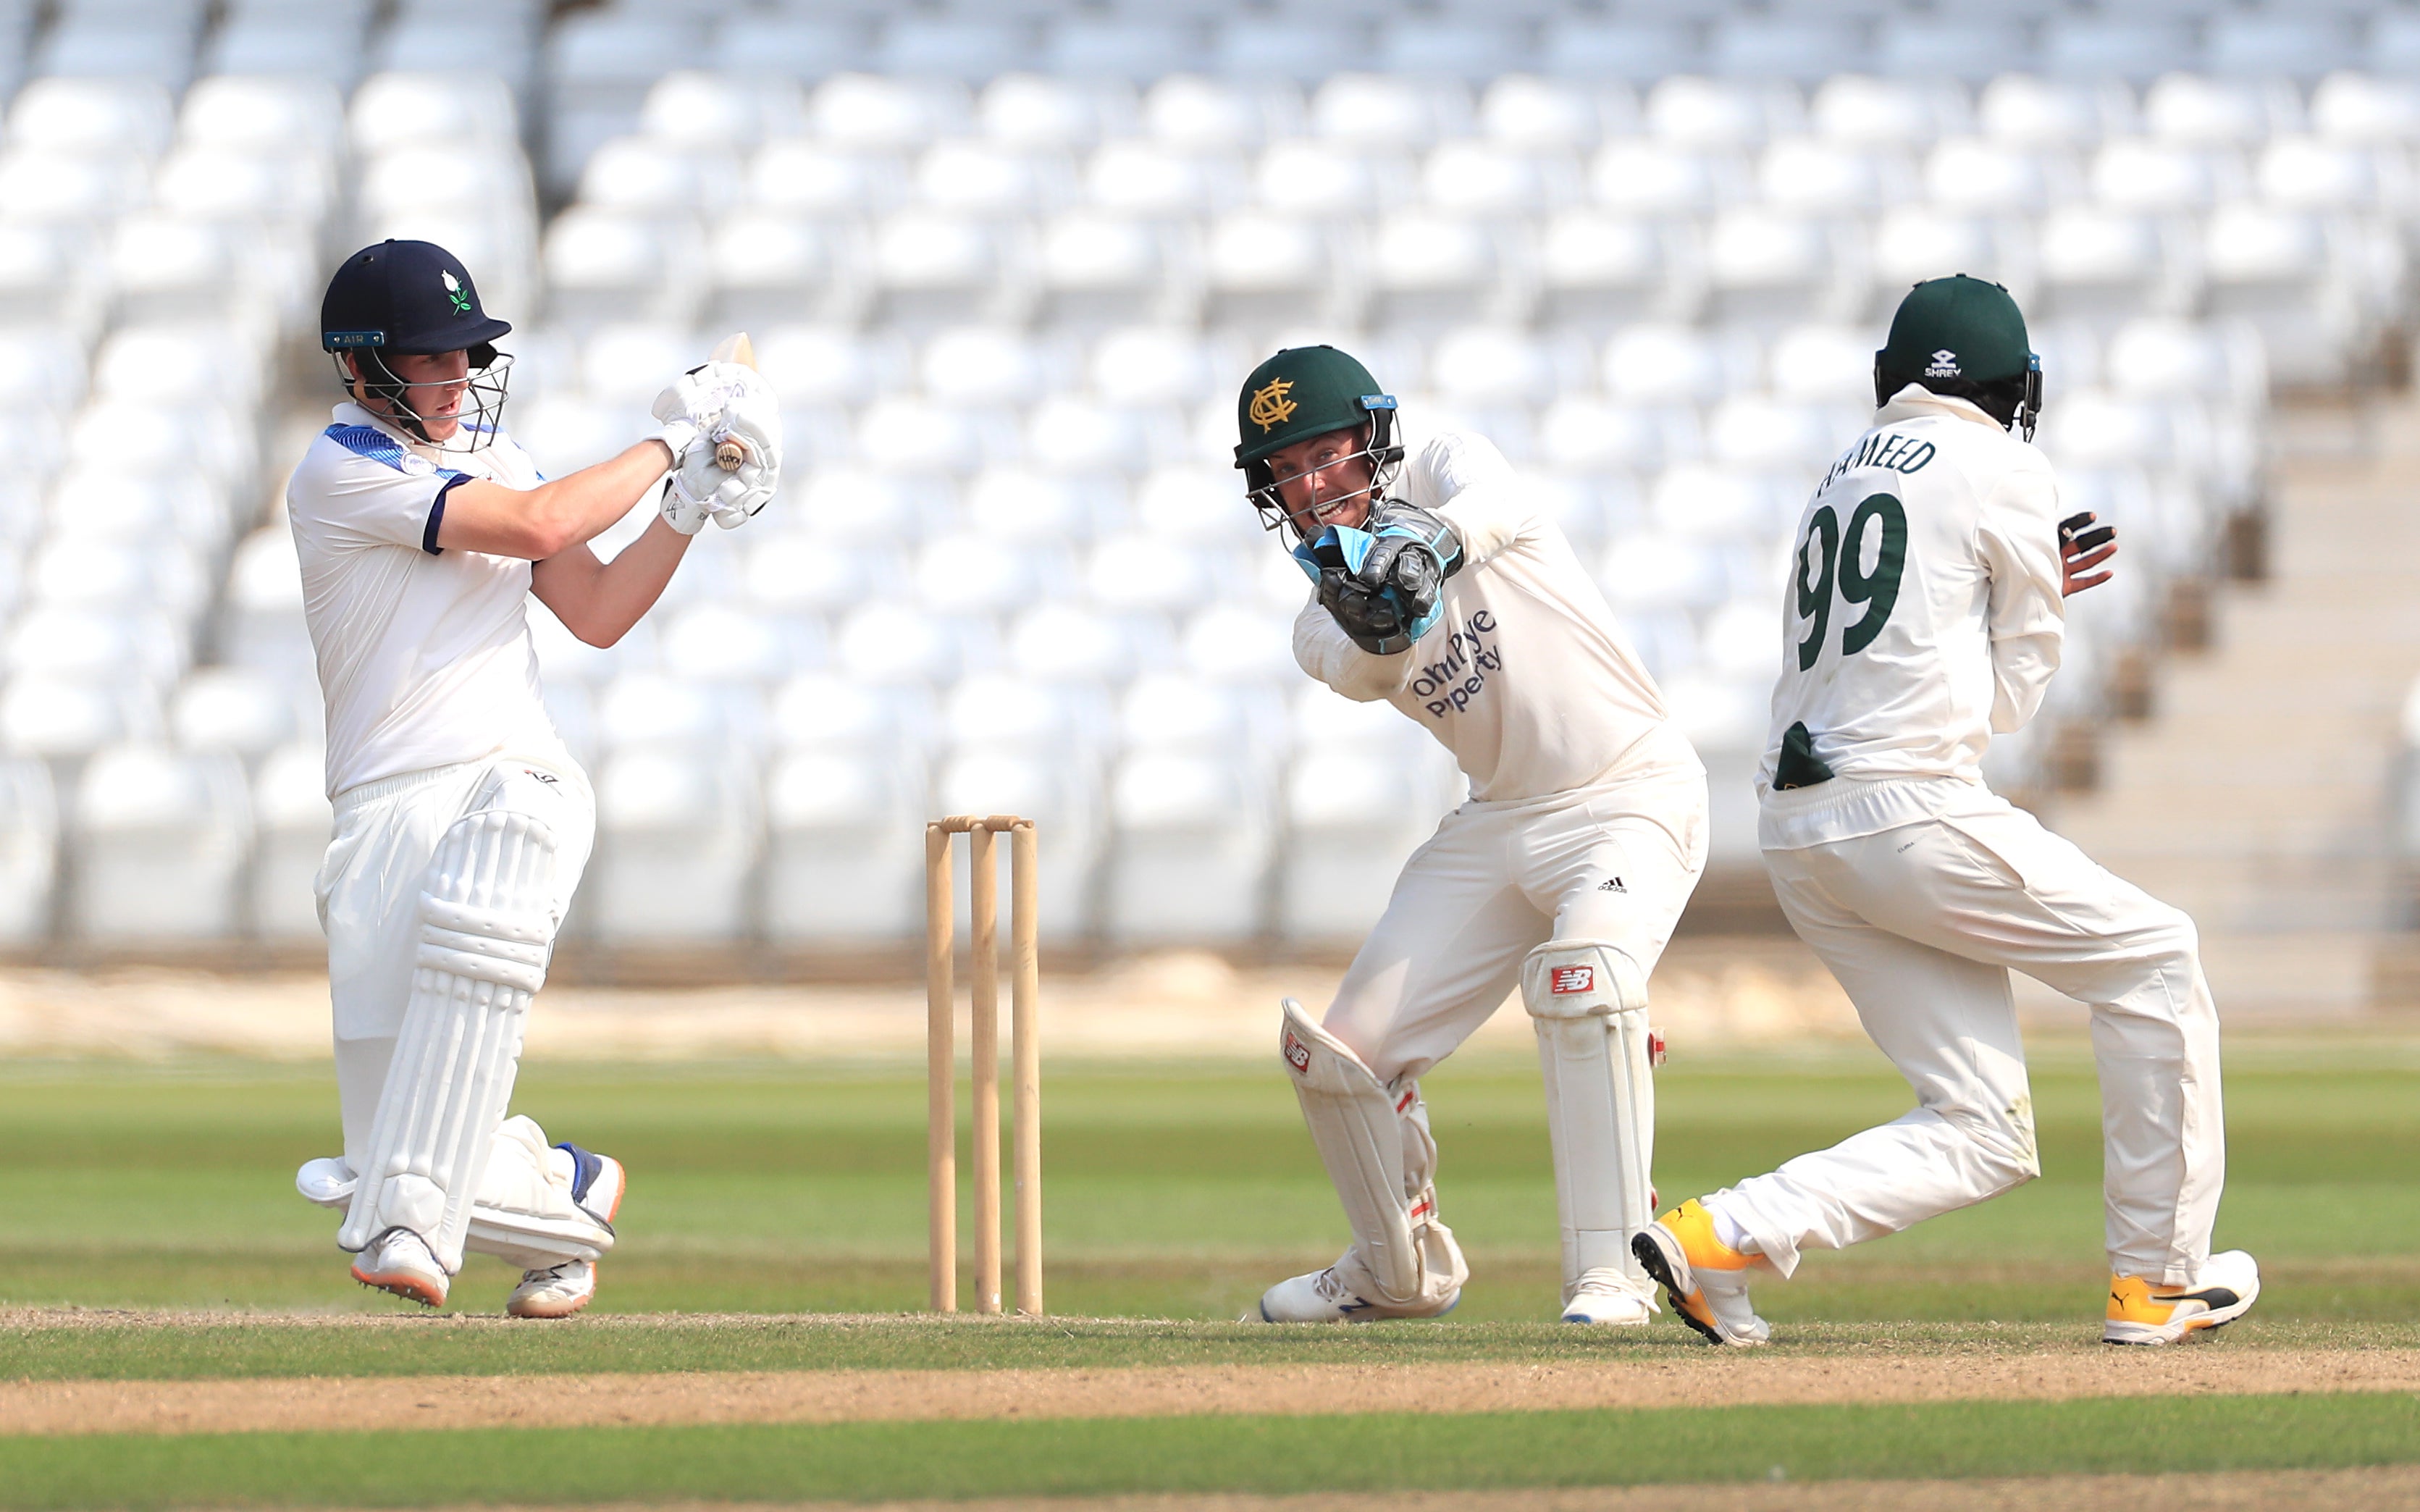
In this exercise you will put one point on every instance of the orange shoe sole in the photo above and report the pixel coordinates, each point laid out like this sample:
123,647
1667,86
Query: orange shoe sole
409,1288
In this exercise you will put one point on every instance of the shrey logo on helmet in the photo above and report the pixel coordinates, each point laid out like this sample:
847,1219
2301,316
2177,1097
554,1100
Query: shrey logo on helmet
1271,407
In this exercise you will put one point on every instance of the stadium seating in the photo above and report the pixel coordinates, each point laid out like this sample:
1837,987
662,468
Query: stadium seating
1005,265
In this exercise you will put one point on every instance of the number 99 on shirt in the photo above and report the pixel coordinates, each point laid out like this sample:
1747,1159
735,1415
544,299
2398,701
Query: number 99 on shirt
1829,559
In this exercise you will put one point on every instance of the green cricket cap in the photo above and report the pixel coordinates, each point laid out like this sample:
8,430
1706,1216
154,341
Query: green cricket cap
1302,391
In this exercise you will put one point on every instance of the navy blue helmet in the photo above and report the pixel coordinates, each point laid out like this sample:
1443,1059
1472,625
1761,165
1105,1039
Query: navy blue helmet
414,298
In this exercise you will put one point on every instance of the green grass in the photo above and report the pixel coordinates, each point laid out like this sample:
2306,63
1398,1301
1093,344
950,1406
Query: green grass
1168,1193
235,1348
1098,1456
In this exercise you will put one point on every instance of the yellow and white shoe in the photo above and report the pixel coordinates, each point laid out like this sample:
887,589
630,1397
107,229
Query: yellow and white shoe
2150,1312
1706,1278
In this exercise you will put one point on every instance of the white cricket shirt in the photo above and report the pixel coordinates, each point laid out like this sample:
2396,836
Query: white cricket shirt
1924,614
1525,677
424,655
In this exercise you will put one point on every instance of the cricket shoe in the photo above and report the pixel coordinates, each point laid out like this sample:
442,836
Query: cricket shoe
399,1261
1609,1298
557,1291
1322,1297
2147,1312
597,1182
1706,1278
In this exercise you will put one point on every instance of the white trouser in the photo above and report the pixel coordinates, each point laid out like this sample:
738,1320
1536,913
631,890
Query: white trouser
1922,923
1614,863
369,888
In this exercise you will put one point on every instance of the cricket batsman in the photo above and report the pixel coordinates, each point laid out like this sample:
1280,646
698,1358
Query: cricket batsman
1440,586
1924,617
462,822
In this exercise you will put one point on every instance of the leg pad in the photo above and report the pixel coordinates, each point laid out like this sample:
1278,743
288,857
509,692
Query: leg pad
1588,1003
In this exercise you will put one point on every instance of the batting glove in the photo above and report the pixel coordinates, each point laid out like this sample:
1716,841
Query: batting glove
719,408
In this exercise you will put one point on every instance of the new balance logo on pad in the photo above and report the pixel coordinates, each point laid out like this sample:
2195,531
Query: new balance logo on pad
1572,979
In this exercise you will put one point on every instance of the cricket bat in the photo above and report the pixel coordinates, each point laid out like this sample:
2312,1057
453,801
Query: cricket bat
729,453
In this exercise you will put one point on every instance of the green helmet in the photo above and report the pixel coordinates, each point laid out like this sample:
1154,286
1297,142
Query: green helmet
1964,337
1304,391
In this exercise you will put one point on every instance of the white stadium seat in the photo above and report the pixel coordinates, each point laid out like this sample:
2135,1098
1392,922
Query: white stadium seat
404,108
646,175
291,823
1005,263
872,113
90,115
933,267
155,842
1064,804
1352,816
66,719
1188,853
2100,264
844,851
29,848
1099,271
1597,270
605,265
1535,114
1036,111
694,109
678,833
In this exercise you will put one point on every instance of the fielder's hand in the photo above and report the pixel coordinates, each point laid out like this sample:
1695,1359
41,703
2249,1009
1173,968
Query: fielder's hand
2082,547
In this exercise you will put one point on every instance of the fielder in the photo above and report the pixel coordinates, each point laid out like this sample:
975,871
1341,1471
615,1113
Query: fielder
1926,616
463,824
1440,588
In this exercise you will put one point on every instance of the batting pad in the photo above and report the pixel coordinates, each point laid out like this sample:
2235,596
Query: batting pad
1381,1157
486,928
524,1213
1588,1002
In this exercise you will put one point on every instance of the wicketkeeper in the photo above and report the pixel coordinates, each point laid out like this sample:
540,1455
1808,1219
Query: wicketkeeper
462,823
1441,587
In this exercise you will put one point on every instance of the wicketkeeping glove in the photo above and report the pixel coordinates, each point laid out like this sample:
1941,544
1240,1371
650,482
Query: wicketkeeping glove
1385,585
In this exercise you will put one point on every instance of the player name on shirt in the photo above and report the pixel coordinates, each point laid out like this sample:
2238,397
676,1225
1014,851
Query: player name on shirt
1901,453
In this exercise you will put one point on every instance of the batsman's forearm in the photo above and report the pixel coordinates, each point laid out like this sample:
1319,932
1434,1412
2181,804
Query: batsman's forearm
589,502
599,602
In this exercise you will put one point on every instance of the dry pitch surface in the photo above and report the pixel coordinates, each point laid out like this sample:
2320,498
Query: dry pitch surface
298,1406
1656,1368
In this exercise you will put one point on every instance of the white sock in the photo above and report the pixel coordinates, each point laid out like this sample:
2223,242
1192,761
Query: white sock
1727,1230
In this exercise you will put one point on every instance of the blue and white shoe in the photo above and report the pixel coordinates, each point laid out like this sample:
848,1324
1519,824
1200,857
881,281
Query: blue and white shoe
597,1182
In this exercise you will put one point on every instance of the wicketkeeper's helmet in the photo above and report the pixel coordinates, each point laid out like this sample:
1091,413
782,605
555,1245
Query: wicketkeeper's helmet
1304,391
